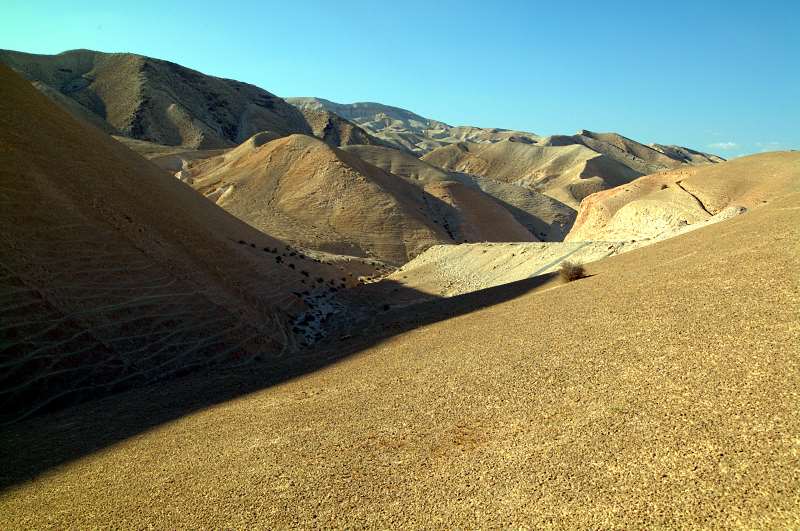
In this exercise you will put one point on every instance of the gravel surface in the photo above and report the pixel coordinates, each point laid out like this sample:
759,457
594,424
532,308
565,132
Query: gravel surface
660,392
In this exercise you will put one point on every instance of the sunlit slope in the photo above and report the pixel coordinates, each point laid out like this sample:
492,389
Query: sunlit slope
566,173
158,101
611,222
543,216
660,392
308,192
114,273
658,205
566,167
403,129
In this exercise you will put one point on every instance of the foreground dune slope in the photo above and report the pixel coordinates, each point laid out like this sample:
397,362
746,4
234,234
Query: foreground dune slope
660,392
113,273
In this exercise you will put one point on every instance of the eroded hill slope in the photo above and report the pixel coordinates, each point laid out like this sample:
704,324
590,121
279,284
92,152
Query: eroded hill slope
655,206
310,193
158,101
114,273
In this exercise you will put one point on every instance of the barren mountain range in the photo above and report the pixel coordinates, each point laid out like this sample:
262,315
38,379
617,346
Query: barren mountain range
406,130
219,308
158,101
152,105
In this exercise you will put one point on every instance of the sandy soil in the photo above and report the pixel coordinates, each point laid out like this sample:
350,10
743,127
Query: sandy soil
660,392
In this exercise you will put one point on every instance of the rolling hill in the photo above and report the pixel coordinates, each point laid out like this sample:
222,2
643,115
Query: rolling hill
658,205
318,196
567,168
154,100
612,222
336,131
565,173
114,274
404,129
546,218
659,392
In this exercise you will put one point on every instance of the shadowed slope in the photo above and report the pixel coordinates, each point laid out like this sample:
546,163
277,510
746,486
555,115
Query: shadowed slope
660,392
113,273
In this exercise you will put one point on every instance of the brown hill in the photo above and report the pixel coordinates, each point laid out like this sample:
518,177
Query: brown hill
543,216
567,168
655,206
611,222
688,155
639,157
158,101
315,195
405,130
566,173
660,392
115,274
336,131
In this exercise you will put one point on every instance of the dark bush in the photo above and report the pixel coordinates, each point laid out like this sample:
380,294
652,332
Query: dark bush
570,271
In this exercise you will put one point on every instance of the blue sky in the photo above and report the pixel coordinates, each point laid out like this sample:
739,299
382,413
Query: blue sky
712,75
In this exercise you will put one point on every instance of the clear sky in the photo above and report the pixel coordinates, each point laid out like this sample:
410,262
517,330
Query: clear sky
720,76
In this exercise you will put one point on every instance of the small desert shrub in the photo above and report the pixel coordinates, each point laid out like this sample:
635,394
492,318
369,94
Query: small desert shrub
570,271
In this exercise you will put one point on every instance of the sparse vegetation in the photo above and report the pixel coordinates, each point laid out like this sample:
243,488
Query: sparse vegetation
570,271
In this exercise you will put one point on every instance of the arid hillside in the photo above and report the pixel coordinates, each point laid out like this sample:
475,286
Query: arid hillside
639,157
336,131
321,197
658,205
543,216
566,168
115,274
565,173
154,100
406,130
659,392
615,221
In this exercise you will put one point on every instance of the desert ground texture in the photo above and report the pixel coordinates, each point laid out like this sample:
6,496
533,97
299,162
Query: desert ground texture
223,309
661,391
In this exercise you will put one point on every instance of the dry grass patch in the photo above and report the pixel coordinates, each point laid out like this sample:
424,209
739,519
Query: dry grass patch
571,271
